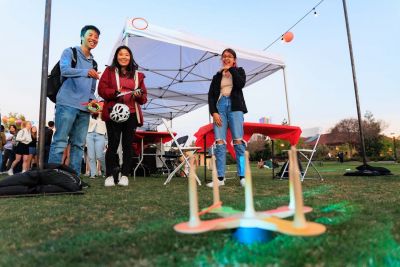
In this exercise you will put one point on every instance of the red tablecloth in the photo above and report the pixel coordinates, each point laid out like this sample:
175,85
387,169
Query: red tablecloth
284,132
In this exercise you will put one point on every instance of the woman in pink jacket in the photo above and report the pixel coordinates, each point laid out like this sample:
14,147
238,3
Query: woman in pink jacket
123,90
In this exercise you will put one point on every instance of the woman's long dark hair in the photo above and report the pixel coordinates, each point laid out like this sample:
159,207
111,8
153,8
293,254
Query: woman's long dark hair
132,65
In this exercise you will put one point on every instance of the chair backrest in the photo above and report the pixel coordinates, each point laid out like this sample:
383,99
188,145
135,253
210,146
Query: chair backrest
181,141
312,136
175,142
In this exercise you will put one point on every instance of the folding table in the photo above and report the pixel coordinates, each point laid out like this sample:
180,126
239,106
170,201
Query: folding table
149,137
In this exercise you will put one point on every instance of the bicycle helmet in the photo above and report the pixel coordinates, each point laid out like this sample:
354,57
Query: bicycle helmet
119,113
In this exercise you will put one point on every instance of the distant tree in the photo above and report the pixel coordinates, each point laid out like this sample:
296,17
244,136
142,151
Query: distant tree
372,135
259,148
349,129
372,129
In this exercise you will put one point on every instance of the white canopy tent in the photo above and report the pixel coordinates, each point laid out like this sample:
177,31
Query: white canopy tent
179,68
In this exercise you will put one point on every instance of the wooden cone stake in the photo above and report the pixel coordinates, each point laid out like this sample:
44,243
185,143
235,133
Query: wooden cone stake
215,181
194,219
248,190
294,177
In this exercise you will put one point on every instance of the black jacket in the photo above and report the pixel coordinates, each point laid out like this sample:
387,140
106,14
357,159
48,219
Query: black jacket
48,133
238,80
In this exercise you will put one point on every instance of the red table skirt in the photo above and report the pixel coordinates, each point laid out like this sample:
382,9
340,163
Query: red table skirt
283,132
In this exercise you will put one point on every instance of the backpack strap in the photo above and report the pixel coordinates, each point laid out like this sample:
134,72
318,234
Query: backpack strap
136,104
74,57
94,64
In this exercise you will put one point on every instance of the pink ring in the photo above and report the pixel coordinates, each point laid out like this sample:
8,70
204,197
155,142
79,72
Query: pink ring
139,28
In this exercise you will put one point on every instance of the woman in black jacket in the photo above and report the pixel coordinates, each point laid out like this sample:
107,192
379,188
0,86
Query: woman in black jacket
227,106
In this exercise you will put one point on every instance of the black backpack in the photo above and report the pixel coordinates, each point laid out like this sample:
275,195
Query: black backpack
55,80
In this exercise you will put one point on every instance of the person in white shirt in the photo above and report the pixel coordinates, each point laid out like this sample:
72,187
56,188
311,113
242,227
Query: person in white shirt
22,149
95,142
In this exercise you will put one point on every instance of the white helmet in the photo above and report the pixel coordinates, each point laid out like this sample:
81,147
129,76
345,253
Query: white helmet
119,113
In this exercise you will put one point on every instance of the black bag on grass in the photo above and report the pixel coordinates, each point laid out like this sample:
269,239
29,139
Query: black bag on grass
55,178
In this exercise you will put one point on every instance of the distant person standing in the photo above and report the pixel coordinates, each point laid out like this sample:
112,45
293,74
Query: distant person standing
21,150
32,158
95,143
2,143
341,157
72,118
48,136
9,155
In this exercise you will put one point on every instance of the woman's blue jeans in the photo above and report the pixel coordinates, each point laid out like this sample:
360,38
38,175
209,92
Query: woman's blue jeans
95,143
233,120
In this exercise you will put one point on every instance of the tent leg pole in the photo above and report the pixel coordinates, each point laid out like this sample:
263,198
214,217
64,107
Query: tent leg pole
353,69
205,159
286,95
43,92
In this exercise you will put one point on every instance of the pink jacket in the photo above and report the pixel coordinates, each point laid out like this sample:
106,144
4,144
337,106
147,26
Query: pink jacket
108,90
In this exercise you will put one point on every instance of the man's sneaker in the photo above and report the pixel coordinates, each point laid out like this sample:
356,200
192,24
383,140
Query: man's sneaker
211,184
242,182
10,172
109,181
123,181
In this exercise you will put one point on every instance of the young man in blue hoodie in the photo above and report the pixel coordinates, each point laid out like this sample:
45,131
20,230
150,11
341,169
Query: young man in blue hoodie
72,118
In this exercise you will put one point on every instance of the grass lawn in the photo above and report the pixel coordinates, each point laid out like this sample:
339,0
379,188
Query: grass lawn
133,226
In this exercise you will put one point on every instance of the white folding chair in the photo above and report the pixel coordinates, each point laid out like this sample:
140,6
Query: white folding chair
312,136
181,151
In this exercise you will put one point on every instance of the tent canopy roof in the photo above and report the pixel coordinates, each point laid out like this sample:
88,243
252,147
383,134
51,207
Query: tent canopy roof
179,67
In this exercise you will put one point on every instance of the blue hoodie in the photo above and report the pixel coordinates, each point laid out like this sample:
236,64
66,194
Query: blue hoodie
78,87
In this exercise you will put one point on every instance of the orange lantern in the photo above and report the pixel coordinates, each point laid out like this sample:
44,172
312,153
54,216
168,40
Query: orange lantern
288,37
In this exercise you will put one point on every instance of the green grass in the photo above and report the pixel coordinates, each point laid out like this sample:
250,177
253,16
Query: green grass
133,226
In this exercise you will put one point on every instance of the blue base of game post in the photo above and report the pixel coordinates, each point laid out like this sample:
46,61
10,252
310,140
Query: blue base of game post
250,236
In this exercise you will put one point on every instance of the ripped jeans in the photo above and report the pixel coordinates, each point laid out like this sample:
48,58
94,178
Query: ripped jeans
233,120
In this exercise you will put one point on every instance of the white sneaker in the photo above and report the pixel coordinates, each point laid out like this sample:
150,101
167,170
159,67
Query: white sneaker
10,172
123,181
243,182
109,181
211,184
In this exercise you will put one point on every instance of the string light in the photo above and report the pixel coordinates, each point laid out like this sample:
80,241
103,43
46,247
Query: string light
309,12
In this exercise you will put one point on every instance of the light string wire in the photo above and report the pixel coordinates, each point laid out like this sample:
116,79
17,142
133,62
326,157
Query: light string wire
294,25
